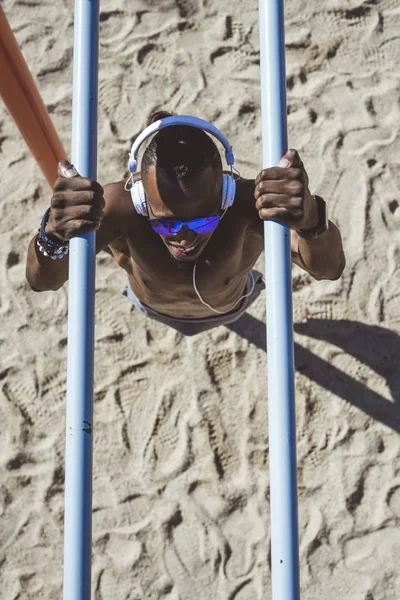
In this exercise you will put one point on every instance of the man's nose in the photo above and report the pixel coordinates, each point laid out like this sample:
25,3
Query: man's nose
185,237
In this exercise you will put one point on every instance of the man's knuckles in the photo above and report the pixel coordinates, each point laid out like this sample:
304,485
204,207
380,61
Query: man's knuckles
266,174
280,173
272,201
63,184
276,213
76,213
78,183
282,186
288,216
295,174
297,203
296,187
65,199
67,228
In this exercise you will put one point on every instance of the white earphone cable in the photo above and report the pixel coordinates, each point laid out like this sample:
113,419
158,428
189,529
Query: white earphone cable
221,312
130,178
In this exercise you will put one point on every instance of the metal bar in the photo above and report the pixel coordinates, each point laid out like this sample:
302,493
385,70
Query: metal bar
79,424
281,403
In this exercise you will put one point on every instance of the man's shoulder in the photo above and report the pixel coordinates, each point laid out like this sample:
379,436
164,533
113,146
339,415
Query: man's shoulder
115,192
244,198
245,187
119,209
118,199
246,205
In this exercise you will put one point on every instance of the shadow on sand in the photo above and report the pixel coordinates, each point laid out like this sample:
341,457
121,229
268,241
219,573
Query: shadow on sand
374,346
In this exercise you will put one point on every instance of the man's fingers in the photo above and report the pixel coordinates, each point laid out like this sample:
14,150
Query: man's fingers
280,172
298,163
75,211
293,186
285,161
78,198
275,176
288,202
270,173
77,184
291,159
66,169
281,214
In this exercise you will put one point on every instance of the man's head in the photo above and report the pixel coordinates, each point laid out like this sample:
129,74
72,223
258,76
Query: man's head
181,171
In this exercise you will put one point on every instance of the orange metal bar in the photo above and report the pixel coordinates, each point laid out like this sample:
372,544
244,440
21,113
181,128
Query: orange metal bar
24,103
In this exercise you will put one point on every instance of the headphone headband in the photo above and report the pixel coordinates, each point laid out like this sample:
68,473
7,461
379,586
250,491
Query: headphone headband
179,120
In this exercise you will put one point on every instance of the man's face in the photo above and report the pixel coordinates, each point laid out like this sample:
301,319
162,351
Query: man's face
168,199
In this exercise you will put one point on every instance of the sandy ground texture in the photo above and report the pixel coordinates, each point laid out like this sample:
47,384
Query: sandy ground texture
181,476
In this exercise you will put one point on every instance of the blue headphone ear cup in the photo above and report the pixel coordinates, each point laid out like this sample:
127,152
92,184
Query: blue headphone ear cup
139,198
228,191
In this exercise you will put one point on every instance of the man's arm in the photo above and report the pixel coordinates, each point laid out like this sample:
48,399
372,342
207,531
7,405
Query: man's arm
44,274
75,213
282,194
322,257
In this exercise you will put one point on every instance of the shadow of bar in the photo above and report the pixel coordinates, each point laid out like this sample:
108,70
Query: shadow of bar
374,346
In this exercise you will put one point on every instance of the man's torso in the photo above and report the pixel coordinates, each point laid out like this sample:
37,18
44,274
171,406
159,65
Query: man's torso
166,284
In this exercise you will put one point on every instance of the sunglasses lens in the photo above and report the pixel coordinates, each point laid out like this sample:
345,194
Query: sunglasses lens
166,227
205,225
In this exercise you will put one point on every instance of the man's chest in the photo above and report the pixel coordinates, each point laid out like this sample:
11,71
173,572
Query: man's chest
225,258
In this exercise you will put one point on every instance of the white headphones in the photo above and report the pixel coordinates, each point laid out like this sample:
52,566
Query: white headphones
228,182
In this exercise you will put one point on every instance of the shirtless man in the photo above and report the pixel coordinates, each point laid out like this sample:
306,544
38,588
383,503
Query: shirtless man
189,261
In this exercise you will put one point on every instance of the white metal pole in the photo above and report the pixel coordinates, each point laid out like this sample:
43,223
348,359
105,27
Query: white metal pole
79,424
281,402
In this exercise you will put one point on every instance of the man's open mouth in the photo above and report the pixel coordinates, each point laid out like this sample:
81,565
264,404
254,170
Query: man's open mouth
181,251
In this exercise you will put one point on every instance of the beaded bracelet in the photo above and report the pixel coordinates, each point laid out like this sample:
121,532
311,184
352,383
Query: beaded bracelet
47,246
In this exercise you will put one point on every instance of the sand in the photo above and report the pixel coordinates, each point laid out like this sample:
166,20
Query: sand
181,476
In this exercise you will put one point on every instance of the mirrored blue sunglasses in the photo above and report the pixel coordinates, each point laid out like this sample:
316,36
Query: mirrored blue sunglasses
169,227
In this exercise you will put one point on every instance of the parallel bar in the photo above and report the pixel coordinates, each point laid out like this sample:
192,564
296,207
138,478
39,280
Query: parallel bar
25,105
79,447
281,404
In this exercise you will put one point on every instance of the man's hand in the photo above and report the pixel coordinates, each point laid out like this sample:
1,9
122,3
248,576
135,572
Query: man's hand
282,194
76,206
